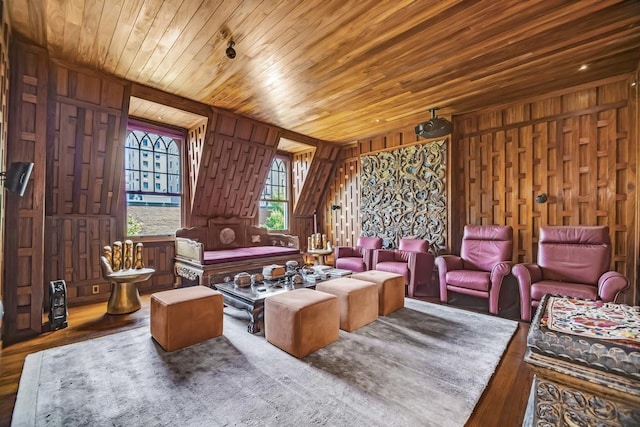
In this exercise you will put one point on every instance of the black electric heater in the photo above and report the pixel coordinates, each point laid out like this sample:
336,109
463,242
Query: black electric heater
57,304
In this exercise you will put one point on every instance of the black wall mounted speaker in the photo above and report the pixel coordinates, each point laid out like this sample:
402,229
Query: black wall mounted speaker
17,177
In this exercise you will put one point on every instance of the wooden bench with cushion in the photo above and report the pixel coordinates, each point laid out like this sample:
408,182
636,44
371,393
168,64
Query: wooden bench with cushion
206,255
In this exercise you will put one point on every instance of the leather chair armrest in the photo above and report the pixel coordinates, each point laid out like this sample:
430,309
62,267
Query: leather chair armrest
526,274
610,285
367,257
446,263
343,251
383,255
499,271
421,265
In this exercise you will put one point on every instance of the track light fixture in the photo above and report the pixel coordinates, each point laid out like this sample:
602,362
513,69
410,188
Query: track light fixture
231,52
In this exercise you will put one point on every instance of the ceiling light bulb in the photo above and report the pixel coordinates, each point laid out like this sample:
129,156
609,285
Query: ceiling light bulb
583,67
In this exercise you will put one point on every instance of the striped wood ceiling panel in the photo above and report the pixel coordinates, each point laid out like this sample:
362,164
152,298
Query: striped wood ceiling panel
342,70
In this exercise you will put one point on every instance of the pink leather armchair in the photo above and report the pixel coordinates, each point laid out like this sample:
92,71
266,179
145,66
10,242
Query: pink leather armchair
411,259
572,261
358,258
484,261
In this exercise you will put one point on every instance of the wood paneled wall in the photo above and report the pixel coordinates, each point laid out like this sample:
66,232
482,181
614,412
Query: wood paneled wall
24,293
71,123
580,146
344,224
575,146
5,38
300,165
234,163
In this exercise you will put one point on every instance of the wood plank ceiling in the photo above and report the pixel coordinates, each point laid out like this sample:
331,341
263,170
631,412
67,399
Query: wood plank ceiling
341,70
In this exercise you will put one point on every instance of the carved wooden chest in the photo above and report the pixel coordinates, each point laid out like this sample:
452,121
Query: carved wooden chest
586,359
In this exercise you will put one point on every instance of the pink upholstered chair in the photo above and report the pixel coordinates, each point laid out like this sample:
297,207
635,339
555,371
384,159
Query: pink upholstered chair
484,261
359,257
411,259
572,261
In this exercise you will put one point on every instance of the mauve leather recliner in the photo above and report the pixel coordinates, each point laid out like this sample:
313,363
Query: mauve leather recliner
358,258
412,259
572,261
483,263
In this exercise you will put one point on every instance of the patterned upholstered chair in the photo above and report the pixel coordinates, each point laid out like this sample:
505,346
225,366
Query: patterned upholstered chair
359,257
479,270
572,261
412,259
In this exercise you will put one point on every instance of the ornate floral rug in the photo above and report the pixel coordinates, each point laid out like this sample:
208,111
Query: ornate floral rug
594,319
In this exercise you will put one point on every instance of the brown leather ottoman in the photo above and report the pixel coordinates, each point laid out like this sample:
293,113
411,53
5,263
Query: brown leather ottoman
301,321
390,289
186,316
358,301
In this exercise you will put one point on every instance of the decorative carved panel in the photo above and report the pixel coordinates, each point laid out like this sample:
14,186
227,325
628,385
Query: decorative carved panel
403,193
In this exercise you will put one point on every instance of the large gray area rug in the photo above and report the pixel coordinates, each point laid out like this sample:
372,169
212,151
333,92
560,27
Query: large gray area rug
423,365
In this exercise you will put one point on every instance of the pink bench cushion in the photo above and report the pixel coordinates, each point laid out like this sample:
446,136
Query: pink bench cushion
241,254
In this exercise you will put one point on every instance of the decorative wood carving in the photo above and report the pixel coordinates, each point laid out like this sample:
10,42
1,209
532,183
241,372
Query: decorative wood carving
403,193
553,403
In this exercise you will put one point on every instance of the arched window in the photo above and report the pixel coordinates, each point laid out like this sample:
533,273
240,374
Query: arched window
153,188
274,201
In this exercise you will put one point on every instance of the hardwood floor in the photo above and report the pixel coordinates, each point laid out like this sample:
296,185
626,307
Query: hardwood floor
502,404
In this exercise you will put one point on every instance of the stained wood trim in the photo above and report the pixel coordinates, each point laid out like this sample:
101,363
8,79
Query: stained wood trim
559,117
165,98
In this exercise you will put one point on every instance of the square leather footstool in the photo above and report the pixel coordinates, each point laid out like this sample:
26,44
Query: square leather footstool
301,321
358,301
390,289
186,316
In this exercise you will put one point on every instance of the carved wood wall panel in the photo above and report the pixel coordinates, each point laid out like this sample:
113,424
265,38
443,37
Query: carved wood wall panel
316,183
344,223
85,157
23,294
403,193
195,145
235,162
300,164
574,146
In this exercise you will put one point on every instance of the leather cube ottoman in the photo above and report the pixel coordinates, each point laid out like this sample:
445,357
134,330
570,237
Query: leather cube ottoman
301,321
186,316
358,301
390,289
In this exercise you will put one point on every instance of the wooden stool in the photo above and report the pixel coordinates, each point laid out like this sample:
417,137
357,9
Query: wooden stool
390,289
358,301
301,321
186,316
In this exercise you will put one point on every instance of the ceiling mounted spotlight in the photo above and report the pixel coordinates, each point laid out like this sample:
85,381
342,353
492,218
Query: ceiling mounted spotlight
231,52
434,127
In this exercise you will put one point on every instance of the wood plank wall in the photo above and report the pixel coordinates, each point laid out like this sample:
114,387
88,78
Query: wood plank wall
24,241
580,146
574,146
85,201
344,224
5,38
71,122
234,164
195,144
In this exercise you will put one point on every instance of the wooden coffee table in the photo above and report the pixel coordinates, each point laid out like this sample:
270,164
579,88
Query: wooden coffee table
251,298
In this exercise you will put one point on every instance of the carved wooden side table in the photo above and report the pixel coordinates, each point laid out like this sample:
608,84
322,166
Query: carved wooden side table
586,359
